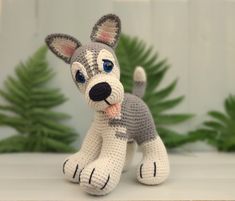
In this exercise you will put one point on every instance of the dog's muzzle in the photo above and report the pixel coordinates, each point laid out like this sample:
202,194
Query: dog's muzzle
100,91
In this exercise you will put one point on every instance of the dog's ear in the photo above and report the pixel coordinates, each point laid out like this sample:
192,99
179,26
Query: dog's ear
107,30
62,45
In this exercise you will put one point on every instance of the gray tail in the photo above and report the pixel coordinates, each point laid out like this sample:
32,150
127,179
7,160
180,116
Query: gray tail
139,79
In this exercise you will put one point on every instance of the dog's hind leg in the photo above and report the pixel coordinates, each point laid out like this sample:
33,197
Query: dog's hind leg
154,167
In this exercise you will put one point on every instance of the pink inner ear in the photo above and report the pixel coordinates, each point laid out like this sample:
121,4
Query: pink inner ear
65,47
104,36
68,50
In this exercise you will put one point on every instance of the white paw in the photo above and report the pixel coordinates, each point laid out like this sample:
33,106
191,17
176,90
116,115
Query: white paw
99,177
73,166
152,172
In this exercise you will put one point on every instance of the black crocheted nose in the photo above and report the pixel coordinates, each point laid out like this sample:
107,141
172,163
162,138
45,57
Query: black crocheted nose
100,91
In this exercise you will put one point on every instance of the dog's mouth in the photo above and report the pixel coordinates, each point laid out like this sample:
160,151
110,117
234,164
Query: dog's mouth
113,110
107,102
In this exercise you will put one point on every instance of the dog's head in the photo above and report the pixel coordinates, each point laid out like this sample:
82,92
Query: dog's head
94,66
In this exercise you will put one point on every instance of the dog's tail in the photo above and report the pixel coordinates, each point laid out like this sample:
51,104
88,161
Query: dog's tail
139,79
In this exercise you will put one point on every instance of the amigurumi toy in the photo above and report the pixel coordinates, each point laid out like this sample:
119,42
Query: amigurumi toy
120,119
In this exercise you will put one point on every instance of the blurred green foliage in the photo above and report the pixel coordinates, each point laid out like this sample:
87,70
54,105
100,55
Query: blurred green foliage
28,108
220,129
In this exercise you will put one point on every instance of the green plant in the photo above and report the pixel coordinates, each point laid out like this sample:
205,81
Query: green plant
28,109
220,130
132,52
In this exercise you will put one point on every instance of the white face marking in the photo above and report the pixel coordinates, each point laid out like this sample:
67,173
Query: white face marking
116,95
76,66
90,60
93,61
105,54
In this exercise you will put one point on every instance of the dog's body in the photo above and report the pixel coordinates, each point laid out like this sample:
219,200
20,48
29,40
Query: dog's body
135,122
120,118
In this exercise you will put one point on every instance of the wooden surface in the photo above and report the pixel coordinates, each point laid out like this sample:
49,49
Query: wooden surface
194,176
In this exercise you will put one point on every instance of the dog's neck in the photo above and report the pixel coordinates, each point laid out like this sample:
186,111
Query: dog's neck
100,116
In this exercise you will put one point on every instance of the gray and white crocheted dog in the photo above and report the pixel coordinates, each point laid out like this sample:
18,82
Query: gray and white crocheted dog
121,119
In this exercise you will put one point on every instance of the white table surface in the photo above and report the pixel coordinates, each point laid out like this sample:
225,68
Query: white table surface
194,176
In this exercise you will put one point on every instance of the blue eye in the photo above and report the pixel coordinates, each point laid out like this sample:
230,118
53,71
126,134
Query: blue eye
80,77
107,65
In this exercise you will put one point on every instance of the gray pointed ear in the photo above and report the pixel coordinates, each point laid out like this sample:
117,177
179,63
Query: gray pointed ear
107,30
62,45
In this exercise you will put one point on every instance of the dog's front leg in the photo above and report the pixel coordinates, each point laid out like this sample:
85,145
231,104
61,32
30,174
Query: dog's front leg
74,164
101,176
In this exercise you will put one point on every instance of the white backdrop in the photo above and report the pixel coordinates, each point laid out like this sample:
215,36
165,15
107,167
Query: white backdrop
197,37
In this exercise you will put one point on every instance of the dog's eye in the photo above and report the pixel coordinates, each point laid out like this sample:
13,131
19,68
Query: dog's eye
80,77
107,65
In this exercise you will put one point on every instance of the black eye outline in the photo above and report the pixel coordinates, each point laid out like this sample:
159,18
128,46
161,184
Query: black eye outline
107,65
80,77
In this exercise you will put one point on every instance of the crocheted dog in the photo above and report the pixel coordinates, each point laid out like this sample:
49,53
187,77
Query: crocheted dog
121,119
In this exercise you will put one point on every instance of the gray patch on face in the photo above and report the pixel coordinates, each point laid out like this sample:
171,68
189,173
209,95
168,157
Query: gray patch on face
136,118
94,48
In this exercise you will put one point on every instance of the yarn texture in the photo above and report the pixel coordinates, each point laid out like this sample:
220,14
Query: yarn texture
121,120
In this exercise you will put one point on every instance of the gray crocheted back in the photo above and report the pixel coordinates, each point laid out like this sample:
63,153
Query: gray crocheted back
136,118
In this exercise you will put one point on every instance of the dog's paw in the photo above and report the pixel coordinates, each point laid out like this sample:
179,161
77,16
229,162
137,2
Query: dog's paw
152,172
99,177
72,168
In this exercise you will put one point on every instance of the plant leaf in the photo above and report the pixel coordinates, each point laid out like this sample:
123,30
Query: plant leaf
161,94
29,109
14,143
169,119
166,105
220,131
51,145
